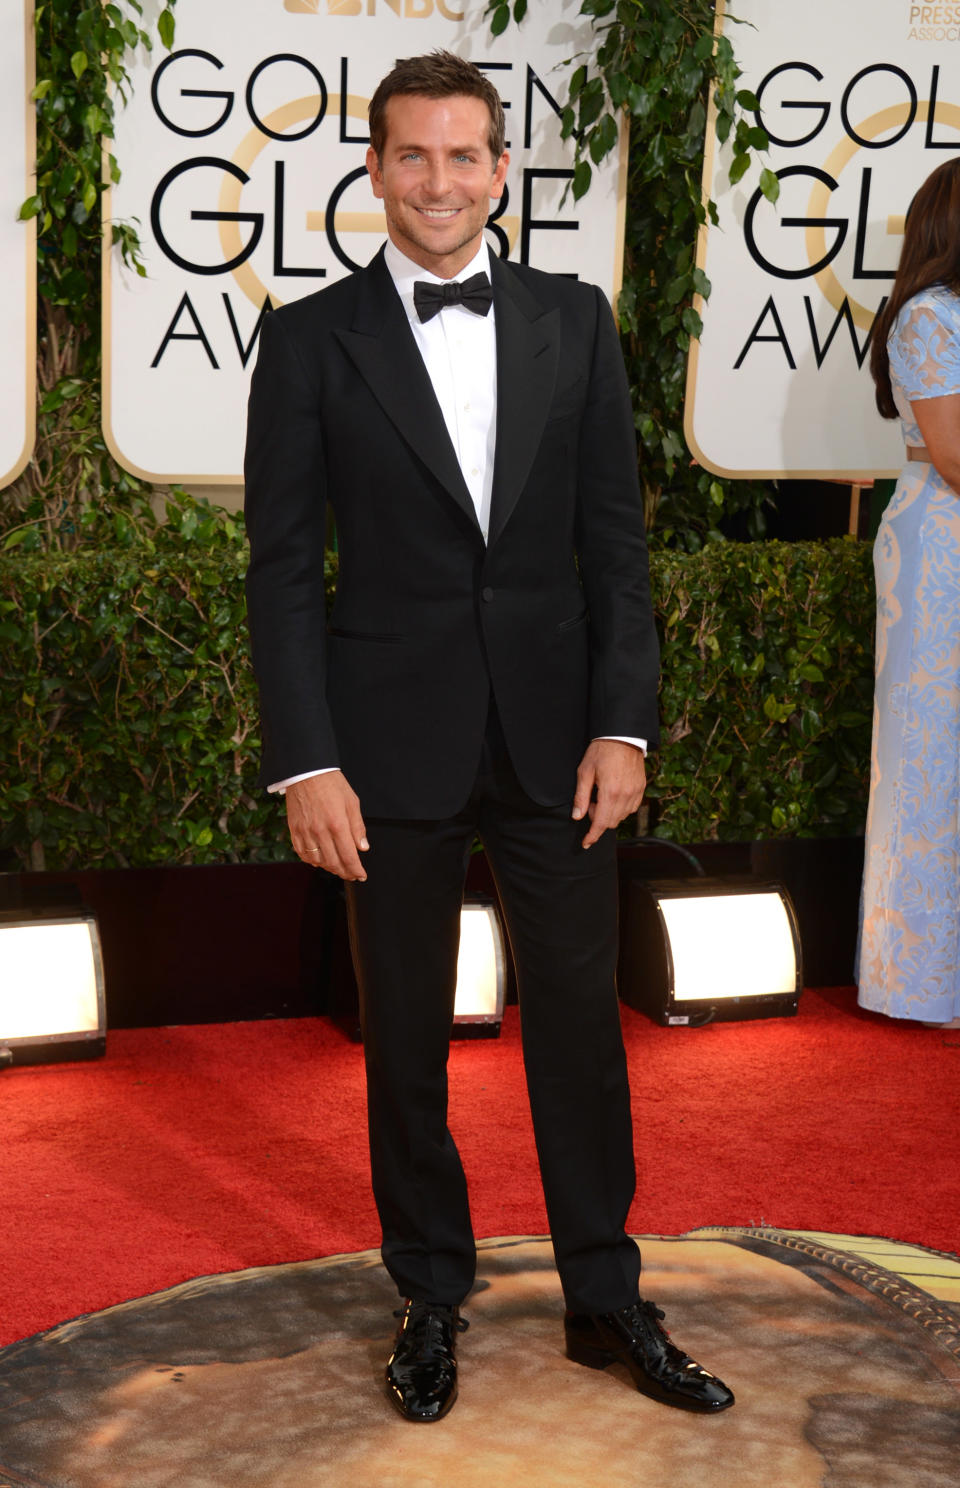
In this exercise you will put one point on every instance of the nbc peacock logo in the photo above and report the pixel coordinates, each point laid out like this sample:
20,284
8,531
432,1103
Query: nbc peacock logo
409,10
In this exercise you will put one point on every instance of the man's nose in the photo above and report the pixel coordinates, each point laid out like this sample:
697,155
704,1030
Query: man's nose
438,178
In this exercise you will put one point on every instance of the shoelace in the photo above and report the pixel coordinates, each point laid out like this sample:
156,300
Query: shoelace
649,1316
682,1363
426,1324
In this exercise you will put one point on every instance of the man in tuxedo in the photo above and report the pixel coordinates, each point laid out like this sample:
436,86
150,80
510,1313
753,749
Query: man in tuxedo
490,667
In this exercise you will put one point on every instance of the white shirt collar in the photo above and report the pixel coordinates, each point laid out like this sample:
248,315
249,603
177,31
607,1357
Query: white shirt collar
404,272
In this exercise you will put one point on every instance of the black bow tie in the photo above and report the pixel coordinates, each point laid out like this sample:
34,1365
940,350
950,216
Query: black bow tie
475,293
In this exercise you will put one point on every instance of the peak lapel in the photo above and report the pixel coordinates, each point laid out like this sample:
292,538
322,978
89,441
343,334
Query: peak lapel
528,348
381,346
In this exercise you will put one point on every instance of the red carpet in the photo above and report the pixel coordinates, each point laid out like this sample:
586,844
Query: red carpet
196,1150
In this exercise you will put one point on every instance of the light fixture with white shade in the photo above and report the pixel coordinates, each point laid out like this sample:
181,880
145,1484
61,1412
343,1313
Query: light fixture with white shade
481,970
51,986
698,949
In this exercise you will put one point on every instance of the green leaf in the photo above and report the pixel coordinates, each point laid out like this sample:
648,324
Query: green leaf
500,20
739,168
590,103
618,86
640,100
78,64
29,208
582,176
519,10
603,138
769,185
166,25
697,122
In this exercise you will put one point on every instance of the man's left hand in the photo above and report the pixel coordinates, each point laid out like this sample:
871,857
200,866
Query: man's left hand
618,774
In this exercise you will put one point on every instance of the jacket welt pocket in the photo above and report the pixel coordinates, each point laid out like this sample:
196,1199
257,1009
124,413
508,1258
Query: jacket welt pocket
574,621
362,635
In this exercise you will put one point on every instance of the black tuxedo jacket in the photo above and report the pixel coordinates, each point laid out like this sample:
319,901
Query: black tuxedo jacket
553,612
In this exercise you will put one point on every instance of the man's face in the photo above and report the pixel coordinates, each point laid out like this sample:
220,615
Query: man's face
436,178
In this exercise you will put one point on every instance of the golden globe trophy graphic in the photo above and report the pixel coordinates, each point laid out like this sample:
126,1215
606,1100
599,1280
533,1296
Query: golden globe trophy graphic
779,383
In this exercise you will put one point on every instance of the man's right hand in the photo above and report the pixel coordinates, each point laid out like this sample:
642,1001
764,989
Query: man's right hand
326,827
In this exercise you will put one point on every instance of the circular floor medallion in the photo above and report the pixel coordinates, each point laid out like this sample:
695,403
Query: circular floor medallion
844,1354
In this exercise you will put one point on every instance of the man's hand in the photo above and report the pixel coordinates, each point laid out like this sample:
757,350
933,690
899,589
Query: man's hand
326,827
618,771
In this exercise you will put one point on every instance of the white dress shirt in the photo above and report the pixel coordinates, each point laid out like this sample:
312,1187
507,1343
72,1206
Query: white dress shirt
459,350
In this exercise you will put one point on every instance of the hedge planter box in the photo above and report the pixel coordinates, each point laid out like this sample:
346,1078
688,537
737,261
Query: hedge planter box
245,941
128,717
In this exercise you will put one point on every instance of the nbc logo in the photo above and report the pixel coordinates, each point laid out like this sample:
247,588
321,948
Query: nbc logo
412,10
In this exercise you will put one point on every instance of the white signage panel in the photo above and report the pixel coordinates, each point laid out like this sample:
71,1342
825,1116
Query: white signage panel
18,251
861,101
242,155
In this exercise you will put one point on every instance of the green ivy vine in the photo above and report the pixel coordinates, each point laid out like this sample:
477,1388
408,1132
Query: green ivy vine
83,50
657,64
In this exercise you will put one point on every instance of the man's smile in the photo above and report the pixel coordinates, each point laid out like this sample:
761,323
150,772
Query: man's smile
436,176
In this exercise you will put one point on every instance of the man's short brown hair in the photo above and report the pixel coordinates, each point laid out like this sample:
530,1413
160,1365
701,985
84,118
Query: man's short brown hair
437,74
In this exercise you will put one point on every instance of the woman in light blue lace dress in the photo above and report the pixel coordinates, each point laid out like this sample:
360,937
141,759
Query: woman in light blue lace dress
909,954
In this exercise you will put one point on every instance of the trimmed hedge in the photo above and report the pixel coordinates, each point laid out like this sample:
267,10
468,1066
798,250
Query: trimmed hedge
128,712
767,693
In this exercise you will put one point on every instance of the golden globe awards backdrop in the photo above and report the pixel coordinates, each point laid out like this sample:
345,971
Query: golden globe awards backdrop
18,251
243,158
861,101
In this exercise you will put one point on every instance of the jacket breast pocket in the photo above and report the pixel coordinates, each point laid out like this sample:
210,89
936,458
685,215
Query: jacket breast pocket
377,637
573,622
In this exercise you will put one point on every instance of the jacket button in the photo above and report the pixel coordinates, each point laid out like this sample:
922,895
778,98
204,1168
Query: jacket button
486,594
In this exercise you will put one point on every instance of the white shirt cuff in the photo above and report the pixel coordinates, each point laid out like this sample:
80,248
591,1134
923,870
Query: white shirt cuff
622,739
280,786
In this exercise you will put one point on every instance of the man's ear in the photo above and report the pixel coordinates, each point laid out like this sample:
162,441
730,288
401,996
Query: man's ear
499,176
374,172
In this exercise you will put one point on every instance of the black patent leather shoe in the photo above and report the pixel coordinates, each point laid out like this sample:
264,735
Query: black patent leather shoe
422,1370
633,1336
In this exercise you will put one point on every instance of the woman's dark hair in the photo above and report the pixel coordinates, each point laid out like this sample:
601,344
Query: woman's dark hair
930,255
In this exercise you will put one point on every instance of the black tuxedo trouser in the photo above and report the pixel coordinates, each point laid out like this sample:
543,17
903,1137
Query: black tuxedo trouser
560,904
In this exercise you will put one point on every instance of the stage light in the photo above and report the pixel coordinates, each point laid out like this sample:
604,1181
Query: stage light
481,970
698,949
51,986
